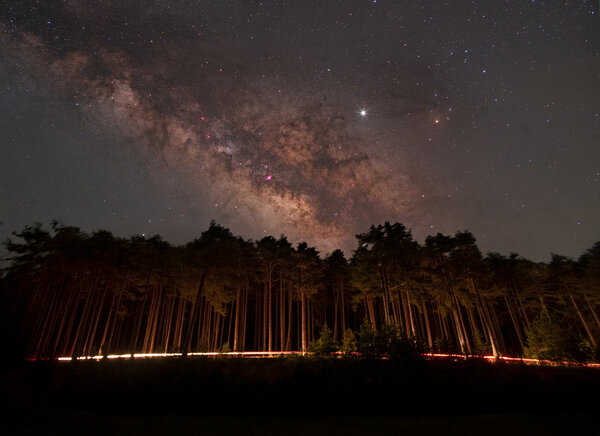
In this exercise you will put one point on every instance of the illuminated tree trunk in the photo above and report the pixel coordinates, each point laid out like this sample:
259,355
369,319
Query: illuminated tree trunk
396,311
520,306
219,326
51,330
205,328
66,350
386,313
441,320
245,314
265,318
137,325
154,326
82,321
303,322
112,314
94,324
486,318
335,310
411,316
371,312
583,321
594,314
179,322
445,327
150,320
427,327
277,320
498,330
168,324
193,314
515,323
282,320
288,342
256,336
342,306
269,314
236,328
460,331
230,323
63,322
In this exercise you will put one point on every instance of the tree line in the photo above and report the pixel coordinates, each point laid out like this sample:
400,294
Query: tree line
70,293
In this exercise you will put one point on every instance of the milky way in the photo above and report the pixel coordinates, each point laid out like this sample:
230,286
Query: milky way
250,113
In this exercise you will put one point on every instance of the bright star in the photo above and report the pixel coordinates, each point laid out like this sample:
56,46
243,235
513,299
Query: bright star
363,112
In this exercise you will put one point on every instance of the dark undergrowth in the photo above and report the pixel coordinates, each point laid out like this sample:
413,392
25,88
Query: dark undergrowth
296,386
76,422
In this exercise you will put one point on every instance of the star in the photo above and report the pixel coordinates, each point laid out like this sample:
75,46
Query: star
363,112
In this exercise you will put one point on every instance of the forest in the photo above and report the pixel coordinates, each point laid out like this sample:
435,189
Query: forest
69,293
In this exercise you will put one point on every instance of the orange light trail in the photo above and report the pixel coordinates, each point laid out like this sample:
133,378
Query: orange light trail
273,354
525,360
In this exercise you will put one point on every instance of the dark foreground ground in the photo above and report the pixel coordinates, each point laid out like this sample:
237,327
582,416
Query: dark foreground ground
298,396
71,422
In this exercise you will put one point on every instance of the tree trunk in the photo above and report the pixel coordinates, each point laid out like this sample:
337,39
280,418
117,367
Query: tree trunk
282,320
190,330
303,322
582,319
269,315
288,342
594,314
61,326
94,325
342,306
371,307
515,324
236,326
428,327
411,317
335,310
112,310
486,320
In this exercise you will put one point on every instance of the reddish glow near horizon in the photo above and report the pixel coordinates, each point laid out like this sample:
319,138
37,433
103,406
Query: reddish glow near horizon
271,354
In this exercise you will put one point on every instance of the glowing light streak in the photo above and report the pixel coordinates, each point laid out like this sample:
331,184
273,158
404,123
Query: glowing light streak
205,354
525,360
274,354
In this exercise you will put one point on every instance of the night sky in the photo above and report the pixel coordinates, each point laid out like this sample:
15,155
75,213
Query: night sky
314,119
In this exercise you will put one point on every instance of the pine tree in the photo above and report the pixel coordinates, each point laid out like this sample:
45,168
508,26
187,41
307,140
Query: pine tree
546,339
366,340
349,343
325,345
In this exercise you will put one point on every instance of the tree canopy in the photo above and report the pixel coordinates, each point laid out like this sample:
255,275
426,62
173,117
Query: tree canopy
76,293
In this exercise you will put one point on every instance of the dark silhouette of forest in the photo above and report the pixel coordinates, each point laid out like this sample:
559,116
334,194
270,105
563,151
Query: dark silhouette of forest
69,293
